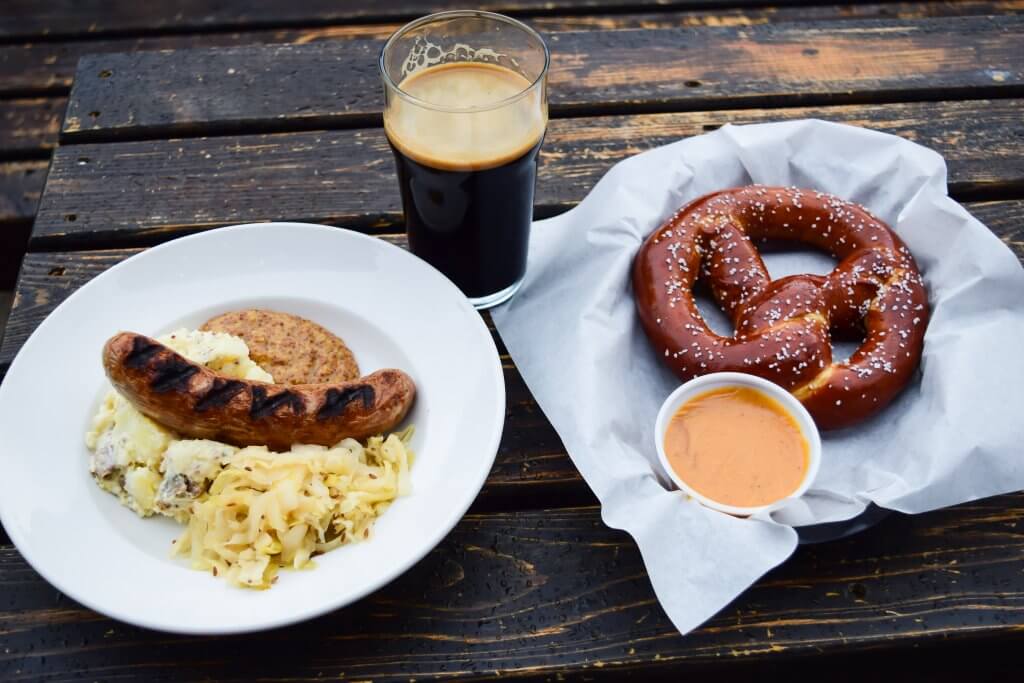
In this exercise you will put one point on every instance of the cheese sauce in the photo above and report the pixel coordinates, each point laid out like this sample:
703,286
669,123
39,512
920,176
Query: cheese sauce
737,446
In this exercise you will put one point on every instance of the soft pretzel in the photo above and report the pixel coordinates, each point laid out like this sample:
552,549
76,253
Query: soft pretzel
783,326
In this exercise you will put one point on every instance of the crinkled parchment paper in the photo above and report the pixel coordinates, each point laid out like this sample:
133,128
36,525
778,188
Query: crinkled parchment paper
954,434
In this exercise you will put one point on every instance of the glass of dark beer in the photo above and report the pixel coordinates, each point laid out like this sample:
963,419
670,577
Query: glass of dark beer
465,114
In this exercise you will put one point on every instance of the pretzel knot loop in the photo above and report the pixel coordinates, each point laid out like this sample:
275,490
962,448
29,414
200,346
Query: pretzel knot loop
784,327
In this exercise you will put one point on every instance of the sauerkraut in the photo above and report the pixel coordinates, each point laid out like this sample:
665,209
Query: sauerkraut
268,510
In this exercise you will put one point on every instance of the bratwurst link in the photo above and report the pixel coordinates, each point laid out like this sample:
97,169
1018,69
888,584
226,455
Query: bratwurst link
782,326
200,403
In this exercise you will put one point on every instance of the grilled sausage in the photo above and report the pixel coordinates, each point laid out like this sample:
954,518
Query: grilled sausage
198,402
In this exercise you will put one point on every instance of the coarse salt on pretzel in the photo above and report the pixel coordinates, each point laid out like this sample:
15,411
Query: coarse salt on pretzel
783,326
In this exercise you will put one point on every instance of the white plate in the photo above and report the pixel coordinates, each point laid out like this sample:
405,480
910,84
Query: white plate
392,309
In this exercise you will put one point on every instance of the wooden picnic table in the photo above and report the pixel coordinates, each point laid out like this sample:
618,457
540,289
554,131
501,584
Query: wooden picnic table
271,111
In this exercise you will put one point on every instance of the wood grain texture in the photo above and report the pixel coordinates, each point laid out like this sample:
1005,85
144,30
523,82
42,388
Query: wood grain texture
1006,219
21,185
146,191
28,127
25,18
549,592
66,18
271,88
49,66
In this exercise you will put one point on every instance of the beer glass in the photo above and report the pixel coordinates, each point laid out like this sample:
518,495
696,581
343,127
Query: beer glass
465,114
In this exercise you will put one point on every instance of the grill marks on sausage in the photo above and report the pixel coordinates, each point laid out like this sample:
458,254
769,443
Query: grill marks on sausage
170,373
142,352
198,402
264,405
222,391
337,400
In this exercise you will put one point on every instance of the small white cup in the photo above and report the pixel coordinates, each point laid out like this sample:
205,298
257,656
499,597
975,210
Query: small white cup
721,380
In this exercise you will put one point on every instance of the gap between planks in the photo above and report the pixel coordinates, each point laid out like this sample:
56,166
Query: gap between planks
593,72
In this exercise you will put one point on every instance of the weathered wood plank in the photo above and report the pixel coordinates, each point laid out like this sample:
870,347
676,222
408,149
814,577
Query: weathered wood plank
141,192
47,280
76,17
28,127
49,67
270,88
1006,219
21,185
555,591
26,18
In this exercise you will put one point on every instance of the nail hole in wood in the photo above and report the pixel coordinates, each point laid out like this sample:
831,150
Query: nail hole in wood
71,217
810,51
82,161
693,84
94,114
858,590
57,272
106,73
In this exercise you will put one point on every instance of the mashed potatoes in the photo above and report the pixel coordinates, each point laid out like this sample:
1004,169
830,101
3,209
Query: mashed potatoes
129,448
248,511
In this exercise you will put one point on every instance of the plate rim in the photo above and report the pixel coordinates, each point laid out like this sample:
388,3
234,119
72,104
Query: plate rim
389,574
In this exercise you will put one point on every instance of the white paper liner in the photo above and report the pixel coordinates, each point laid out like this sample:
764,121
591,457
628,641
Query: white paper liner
954,434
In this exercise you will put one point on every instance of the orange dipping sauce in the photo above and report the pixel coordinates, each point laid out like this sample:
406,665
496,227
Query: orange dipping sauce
737,446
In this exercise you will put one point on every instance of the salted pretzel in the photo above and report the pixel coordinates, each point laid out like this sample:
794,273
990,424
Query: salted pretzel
783,326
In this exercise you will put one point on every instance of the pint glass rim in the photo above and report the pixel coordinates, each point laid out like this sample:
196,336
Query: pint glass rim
458,14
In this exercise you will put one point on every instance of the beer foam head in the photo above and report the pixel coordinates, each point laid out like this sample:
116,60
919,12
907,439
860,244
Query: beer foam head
466,116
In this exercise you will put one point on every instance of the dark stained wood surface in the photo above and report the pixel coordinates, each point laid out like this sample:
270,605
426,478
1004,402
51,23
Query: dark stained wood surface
66,18
28,127
544,591
164,94
21,184
78,17
139,192
40,67
1005,219
516,588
